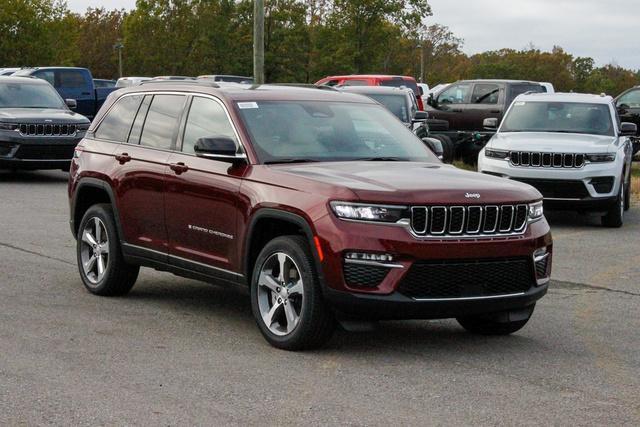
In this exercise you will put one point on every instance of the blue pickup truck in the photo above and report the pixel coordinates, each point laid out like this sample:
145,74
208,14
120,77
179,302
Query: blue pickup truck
72,83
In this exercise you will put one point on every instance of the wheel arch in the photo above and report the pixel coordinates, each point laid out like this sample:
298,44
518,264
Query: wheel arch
90,191
261,230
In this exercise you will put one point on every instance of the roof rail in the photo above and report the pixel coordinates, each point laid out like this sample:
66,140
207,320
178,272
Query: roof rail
202,82
306,85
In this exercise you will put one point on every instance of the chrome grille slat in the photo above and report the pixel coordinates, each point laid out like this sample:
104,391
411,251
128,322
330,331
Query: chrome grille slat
546,160
47,129
474,220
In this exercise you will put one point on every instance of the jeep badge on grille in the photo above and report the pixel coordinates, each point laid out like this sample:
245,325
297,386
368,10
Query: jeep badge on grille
472,195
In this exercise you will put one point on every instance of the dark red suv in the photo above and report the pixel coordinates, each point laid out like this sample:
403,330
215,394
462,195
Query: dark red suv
322,202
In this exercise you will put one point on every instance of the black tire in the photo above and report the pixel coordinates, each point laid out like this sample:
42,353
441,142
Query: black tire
615,215
316,322
495,324
627,195
119,277
448,149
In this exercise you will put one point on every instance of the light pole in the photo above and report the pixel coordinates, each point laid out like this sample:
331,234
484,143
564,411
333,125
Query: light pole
258,41
119,46
421,47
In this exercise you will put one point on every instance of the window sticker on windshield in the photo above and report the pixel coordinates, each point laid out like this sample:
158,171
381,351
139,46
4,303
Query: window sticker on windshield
245,105
520,103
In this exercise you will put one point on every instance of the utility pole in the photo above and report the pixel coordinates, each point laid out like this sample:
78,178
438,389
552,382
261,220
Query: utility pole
119,46
258,41
421,47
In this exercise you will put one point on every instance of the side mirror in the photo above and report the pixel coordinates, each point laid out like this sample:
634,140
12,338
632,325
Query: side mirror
420,116
71,103
490,123
432,101
434,145
218,148
628,129
420,90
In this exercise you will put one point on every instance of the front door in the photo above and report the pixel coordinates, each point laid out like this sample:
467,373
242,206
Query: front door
451,103
201,196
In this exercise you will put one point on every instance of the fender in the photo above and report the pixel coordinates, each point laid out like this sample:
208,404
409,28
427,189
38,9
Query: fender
285,216
102,185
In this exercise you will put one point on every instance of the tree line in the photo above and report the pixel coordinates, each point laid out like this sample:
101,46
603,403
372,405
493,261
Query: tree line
304,41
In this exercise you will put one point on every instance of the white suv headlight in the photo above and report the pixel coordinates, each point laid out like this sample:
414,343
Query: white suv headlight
496,154
601,158
366,212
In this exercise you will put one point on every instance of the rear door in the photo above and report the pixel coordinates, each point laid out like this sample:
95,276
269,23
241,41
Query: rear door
139,178
76,84
486,100
201,196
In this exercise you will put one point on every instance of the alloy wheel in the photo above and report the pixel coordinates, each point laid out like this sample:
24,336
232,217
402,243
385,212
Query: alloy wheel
280,294
94,252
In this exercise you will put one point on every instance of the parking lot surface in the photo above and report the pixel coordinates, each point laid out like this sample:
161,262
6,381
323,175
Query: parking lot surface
176,351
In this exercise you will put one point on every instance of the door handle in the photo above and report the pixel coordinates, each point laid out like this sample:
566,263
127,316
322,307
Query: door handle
179,167
123,158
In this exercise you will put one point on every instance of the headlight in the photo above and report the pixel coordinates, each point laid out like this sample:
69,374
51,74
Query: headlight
535,211
496,154
364,212
600,158
8,126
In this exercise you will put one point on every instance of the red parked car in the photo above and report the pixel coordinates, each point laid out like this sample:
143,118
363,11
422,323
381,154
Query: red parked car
322,202
375,80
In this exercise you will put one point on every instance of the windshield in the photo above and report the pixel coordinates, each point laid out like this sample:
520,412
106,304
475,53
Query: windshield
565,117
397,104
25,95
297,131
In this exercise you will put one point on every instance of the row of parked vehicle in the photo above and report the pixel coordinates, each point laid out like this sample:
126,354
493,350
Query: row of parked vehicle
320,200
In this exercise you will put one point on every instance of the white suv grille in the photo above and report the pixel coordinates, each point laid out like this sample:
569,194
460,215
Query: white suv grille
546,160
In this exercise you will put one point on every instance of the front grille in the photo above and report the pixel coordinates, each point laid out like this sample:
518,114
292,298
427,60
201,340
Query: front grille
47,129
364,275
546,160
439,221
45,152
467,278
558,189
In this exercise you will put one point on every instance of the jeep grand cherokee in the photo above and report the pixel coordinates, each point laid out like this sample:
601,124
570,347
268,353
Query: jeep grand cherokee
321,202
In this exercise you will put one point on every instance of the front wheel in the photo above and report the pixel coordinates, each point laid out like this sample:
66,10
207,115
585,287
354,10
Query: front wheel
497,324
286,298
615,216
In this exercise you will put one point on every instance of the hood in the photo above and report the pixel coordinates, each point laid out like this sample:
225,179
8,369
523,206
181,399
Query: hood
38,115
412,182
552,142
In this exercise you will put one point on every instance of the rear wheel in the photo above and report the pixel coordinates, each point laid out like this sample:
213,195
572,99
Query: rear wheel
447,147
615,216
497,323
102,267
286,298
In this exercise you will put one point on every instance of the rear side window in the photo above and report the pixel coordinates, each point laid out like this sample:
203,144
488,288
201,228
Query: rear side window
485,94
117,123
520,89
46,75
162,121
71,79
402,83
206,118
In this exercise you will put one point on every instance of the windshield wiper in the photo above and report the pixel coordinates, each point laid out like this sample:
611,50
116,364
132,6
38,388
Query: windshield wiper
381,159
275,162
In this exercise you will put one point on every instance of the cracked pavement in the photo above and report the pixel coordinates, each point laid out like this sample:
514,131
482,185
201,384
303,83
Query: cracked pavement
176,351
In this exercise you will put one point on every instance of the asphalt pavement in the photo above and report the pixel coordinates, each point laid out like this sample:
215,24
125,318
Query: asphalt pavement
179,352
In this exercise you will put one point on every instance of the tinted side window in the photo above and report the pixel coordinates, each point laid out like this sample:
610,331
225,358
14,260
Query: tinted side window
136,130
632,99
485,94
520,89
456,94
162,121
117,123
46,75
71,79
206,118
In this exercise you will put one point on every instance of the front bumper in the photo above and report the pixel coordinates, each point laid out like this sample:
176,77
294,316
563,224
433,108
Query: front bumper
392,295
41,153
574,188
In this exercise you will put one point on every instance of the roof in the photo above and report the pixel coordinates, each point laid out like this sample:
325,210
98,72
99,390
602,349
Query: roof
369,76
248,92
508,81
565,97
23,80
375,90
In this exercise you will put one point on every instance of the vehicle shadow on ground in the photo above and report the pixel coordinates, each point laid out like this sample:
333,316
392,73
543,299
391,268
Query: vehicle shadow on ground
34,176
231,304
572,219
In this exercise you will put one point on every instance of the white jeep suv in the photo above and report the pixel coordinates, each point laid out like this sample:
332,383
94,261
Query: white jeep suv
571,147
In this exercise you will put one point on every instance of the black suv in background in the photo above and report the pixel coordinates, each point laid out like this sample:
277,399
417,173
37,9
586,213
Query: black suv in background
37,128
628,105
467,103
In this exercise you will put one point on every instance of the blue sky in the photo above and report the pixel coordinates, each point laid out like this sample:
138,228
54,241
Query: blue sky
606,30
